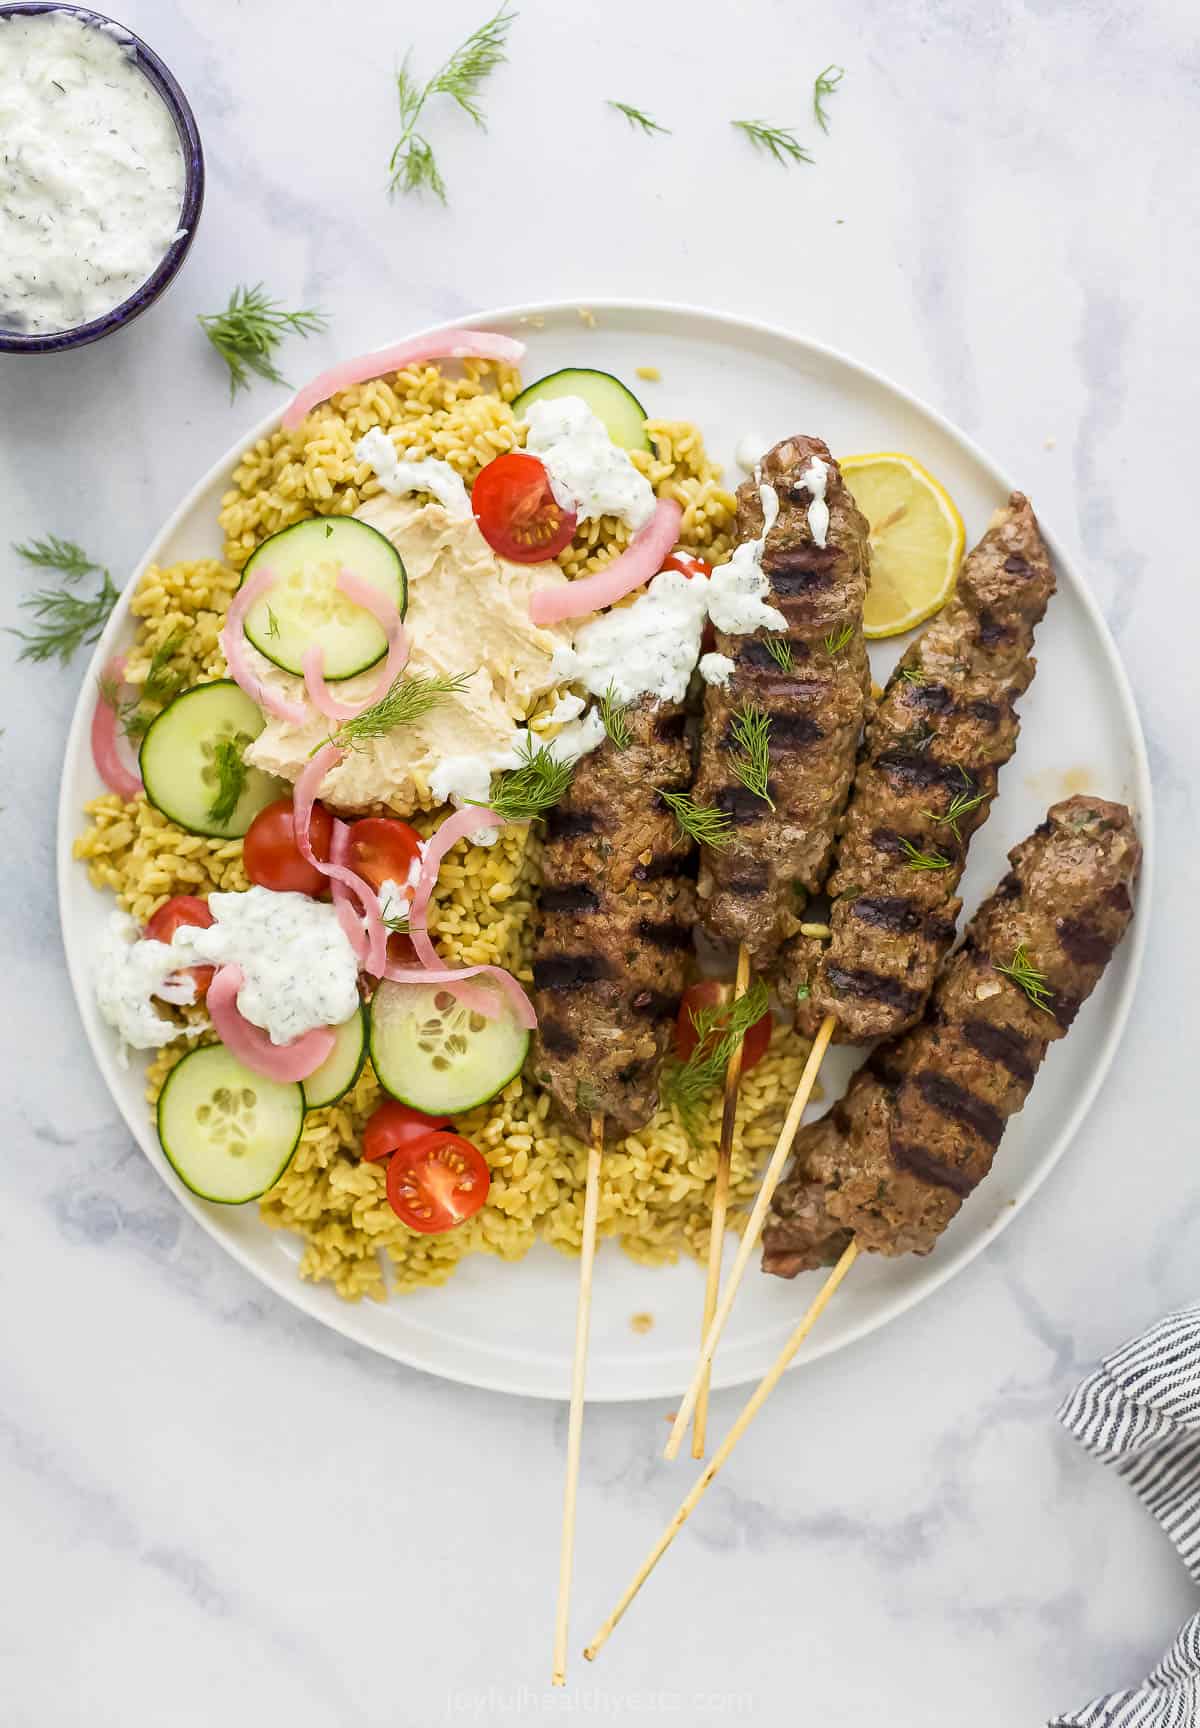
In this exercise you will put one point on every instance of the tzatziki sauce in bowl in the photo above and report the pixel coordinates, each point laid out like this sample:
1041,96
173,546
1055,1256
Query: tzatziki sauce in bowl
101,177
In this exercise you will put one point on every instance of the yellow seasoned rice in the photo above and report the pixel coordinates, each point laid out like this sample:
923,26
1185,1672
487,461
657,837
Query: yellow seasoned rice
656,1186
466,421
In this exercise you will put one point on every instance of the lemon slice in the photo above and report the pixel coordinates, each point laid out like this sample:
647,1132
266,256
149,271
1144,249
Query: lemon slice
916,539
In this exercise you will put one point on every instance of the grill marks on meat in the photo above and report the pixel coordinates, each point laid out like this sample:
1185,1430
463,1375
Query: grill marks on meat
615,928
944,732
919,1126
747,887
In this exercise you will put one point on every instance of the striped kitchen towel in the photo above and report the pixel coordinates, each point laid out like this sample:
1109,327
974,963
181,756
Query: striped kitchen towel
1140,1412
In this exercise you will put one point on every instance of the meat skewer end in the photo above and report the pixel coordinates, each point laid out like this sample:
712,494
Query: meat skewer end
926,778
892,1163
583,1321
615,925
1066,902
716,1234
806,676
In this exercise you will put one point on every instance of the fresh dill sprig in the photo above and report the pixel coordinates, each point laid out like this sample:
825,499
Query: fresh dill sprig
918,737
960,805
837,640
413,166
612,713
779,142
159,683
703,823
410,698
918,860
637,119
780,650
162,682
751,732
272,622
70,560
231,780
525,792
1026,976
719,1029
250,329
128,714
395,921
64,621
158,687
109,690
825,84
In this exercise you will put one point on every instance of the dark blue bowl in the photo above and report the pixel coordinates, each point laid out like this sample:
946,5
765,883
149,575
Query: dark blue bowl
11,341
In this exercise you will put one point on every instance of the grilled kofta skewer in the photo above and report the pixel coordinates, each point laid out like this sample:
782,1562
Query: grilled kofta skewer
615,926
889,1167
796,584
891,1164
934,748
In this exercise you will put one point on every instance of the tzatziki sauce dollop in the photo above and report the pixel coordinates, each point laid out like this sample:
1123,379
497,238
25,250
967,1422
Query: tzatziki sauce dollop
738,589
589,474
648,648
299,969
401,475
91,173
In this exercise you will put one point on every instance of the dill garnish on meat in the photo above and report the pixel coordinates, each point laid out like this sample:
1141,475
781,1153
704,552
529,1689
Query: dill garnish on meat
703,823
750,730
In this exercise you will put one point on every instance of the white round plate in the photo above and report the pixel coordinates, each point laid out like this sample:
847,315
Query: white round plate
510,1327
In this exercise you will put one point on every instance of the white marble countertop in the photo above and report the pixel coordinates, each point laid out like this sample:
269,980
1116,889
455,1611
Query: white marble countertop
213,1510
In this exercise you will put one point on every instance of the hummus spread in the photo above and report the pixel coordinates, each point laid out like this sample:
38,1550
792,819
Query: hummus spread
468,614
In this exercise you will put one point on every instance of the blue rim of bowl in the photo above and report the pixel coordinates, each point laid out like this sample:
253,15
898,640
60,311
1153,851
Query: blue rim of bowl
179,108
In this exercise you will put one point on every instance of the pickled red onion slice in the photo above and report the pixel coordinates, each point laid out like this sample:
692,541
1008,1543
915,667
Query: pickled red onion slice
452,830
442,345
303,798
641,560
251,1045
233,642
367,596
451,976
105,744
349,919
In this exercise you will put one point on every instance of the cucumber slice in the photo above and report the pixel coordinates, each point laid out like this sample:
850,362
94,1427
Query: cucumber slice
178,759
343,1065
623,415
432,1053
228,1133
306,604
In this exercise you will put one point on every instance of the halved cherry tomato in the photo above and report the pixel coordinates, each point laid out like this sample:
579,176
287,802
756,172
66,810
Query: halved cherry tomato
400,949
172,914
383,849
437,1183
272,857
689,567
395,1125
517,512
707,994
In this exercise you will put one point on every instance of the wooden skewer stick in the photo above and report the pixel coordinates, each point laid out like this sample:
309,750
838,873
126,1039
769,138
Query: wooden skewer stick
716,1236
754,1229
583,1316
758,1398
